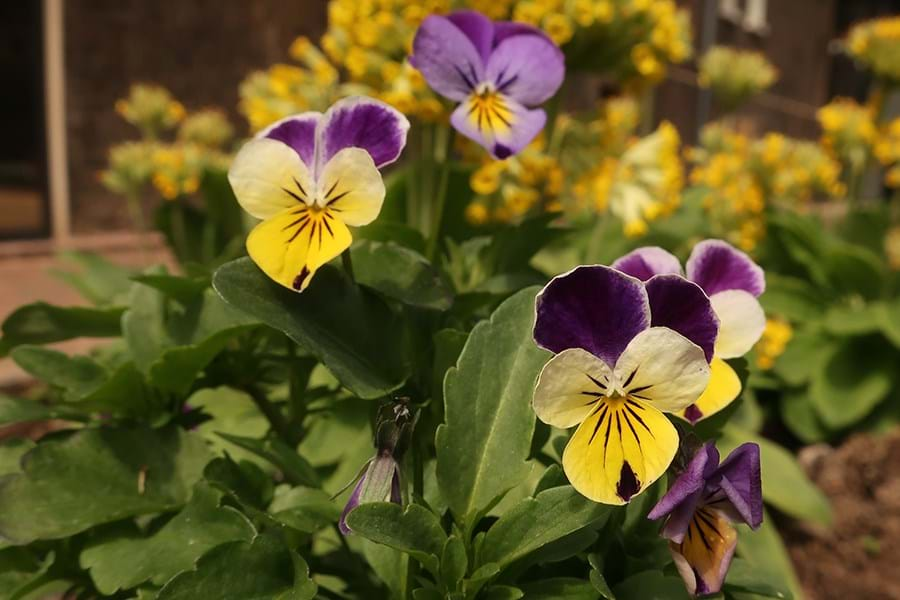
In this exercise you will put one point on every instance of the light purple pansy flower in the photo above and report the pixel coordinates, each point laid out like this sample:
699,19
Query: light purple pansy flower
701,507
496,71
733,282
310,176
615,373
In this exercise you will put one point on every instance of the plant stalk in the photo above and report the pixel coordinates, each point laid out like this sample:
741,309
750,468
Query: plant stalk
438,214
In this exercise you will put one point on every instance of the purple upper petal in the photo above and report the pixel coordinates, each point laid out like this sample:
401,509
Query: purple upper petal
478,28
681,305
506,29
739,478
685,493
352,503
298,132
648,261
717,266
595,308
526,67
360,122
446,56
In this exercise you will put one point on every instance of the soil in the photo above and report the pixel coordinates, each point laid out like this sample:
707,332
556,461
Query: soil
857,558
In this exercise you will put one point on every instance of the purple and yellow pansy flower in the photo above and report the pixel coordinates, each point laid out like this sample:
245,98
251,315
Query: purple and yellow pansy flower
496,71
701,507
310,176
733,283
626,354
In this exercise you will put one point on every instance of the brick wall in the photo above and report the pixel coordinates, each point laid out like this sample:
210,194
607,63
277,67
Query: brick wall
199,49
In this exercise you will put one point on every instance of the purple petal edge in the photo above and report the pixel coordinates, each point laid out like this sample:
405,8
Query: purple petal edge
681,305
298,132
648,261
740,480
717,266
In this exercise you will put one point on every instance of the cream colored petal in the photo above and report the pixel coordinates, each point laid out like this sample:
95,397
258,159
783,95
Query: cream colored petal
268,177
741,322
569,387
352,187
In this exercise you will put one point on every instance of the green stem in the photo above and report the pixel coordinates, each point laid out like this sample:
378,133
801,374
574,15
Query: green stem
347,263
441,199
179,231
136,212
276,419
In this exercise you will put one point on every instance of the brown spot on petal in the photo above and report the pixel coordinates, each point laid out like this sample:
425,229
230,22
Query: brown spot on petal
628,484
693,414
299,279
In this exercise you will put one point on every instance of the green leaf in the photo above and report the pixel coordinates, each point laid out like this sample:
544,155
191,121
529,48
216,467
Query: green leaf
230,412
651,585
502,592
264,569
807,349
560,588
100,282
854,269
294,467
448,344
305,509
413,529
743,576
400,273
599,583
11,453
454,563
98,476
535,522
183,289
765,552
126,562
853,319
483,447
42,323
792,298
800,416
889,320
346,327
784,484
391,566
398,233
21,569
853,380
172,342
18,410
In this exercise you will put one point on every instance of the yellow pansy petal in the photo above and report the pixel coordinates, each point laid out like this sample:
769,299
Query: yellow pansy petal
702,559
619,450
352,187
663,368
569,387
268,177
741,322
291,246
724,386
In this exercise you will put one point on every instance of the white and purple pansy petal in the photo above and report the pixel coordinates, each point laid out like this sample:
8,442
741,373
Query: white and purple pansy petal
681,305
447,58
360,122
297,132
648,261
595,308
568,387
717,266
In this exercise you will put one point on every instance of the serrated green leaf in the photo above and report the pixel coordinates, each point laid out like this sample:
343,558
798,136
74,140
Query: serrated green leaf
536,522
483,447
784,484
11,453
853,319
502,592
124,563
264,569
139,471
305,509
18,410
560,588
294,467
889,320
347,327
42,323
391,566
400,273
791,298
183,289
413,529
806,350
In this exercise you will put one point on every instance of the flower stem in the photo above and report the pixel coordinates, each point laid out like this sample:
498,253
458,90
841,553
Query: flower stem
441,194
136,211
273,415
347,263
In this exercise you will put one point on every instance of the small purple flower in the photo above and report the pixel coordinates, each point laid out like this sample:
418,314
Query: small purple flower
379,483
702,505
733,282
496,71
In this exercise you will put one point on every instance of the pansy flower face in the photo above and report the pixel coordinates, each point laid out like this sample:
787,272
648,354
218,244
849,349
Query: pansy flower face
308,177
702,505
733,282
614,375
496,71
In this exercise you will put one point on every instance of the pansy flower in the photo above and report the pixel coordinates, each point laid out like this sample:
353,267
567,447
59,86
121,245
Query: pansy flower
308,177
702,505
615,374
733,282
496,71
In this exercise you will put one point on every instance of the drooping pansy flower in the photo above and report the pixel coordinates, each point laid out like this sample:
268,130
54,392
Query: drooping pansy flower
733,282
615,373
308,177
702,505
496,71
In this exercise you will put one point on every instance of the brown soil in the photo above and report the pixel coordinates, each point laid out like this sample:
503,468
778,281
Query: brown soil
857,558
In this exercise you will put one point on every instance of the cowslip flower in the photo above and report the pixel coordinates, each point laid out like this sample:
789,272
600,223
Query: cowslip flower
308,177
733,283
496,71
626,353
702,505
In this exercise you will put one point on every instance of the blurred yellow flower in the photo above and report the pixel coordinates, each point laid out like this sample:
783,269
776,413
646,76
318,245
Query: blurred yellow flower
773,342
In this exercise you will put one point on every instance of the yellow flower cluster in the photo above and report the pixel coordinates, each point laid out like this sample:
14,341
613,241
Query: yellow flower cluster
734,75
774,340
887,150
508,190
151,109
876,44
208,128
130,167
178,168
741,176
848,130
